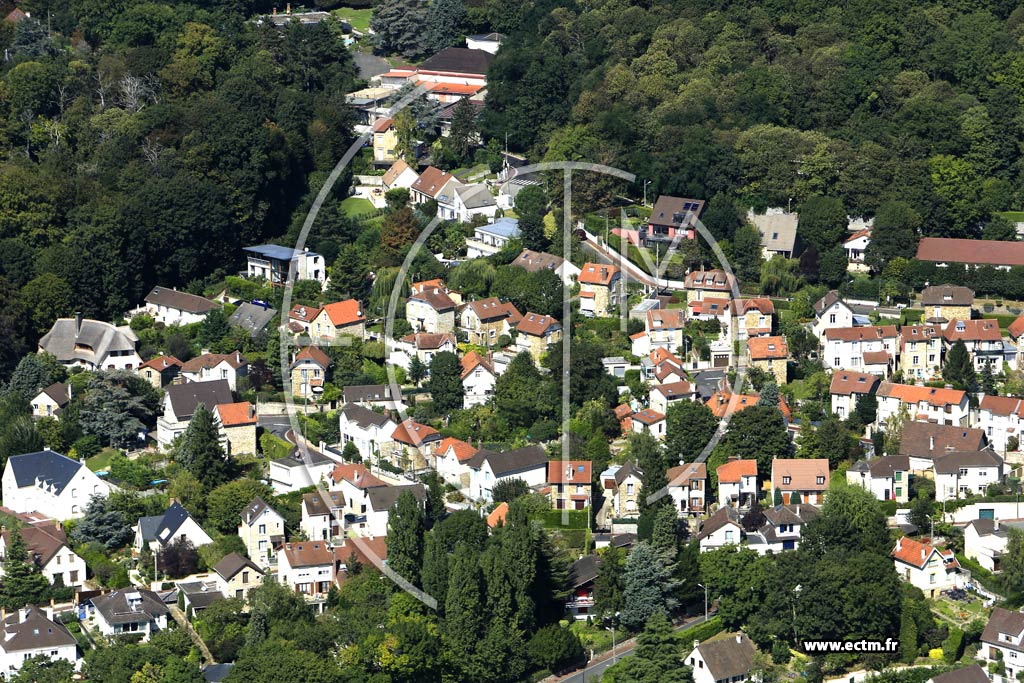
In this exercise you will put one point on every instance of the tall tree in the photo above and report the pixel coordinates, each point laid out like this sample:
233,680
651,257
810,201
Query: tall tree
608,586
417,370
116,408
24,583
397,232
465,616
894,234
445,382
349,274
758,433
689,427
769,395
405,130
1012,564
464,133
747,253
445,19
647,586
656,658
398,27
822,222
958,368
200,451
406,526
531,207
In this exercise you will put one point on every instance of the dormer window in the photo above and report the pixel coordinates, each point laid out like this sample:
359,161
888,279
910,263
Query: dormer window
787,480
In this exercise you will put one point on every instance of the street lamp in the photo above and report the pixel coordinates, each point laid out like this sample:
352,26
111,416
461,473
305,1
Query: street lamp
705,600
796,592
646,183
610,620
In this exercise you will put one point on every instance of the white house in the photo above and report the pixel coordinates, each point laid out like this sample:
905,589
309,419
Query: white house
378,501
51,483
687,487
159,531
182,400
451,460
488,240
806,477
830,311
307,568
323,515
422,345
921,349
51,400
536,261
487,468
261,529
304,467
171,307
650,421
130,611
31,632
930,569
985,541
368,430
856,246
91,344
211,366
47,546
737,483
400,175
271,262
720,529
663,329
664,395
726,660
236,575
782,529
887,477
928,404
1001,418
962,473
863,349
1002,644
472,201
479,376
488,42
431,307
984,341
847,387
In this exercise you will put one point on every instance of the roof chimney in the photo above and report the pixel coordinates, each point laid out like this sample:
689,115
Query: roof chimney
931,443
739,638
78,323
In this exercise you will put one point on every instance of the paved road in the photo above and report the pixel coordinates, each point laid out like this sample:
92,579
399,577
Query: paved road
603,661
278,425
369,64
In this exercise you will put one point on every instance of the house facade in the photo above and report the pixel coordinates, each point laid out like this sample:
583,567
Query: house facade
210,366
928,568
91,344
929,404
960,474
601,290
800,480
486,320
130,611
309,372
847,387
569,483
171,307
687,486
431,307
52,483
921,351
771,354
261,530
737,483
487,468
488,240
339,319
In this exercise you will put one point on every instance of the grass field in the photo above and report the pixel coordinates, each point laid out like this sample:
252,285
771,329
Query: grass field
101,460
356,206
358,18
1012,216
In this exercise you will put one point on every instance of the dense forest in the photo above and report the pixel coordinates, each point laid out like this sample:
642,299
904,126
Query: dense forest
770,103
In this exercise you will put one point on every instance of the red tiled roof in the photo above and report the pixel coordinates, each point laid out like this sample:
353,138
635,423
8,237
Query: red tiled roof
236,414
342,313
682,474
763,305
1002,405
382,125
975,252
1016,328
303,313
622,411
450,88
415,434
660,355
972,330
674,390
911,393
803,473
597,274
431,181
396,170
915,333
858,235
648,416
575,471
536,325
768,348
471,360
161,363
355,474
463,451
709,279
720,400
498,515
665,318
709,307
915,553
847,382
876,357
732,471
864,333
314,354
308,554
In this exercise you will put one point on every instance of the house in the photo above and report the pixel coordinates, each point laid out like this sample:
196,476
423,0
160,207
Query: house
488,240
400,175
985,541
307,568
723,403
33,632
339,319
16,15
1001,419
472,201
301,317
582,579
273,263
160,371
385,139
211,366
52,483
372,396
371,553
778,232
886,477
487,468
983,340
803,478
51,400
945,303
960,474
847,387
753,317
488,42
304,467
944,251
253,317
478,379
377,504
601,290
1002,644
569,482
687,486
486,320
621,485
160,531
703,283
48,549
868,349
237,423
650,421
309,372
727,660
535,333
926,567
830,311
856,246
451,460
370,431
181,401
720,529
664,395
323,515
538,261
661,366
456,65
237,575
91,344
663,328
498,516
171,307
925,441
411,443
967,674
131,611
925,404
261,530
671,216
737,483
430,185
921,351
771,355
431,307
782,528
424,346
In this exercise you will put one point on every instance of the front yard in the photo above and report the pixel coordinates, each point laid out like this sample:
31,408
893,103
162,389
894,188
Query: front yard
959,612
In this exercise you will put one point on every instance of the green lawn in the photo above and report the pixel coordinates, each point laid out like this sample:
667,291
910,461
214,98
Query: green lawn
1012,216
101,461
357,206
358,18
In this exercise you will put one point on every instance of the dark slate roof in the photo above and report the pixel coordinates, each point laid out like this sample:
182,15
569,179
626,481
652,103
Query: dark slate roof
1003,621
149,526
708,382
722,517
53,468
216,673
363,416
297,459
164,526
316,505
368,392
186,397
888,465
728,657
584,570
625,471
510,462
199,594
58,391
384,497
917,439
952,462
116,608
233,563
967,674
459,60
822,304
252,318
801,513
255,509
29,629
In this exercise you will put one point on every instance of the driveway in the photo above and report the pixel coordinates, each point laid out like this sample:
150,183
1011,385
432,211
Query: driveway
369,64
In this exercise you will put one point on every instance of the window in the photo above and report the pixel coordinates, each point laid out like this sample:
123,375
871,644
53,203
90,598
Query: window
899,491
832,318
931,578
74,577
728,535
917,360
963,471
836,361
263,528
787,480
629,489
74,509
898,476
74,493
238,593
819,481
245,577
